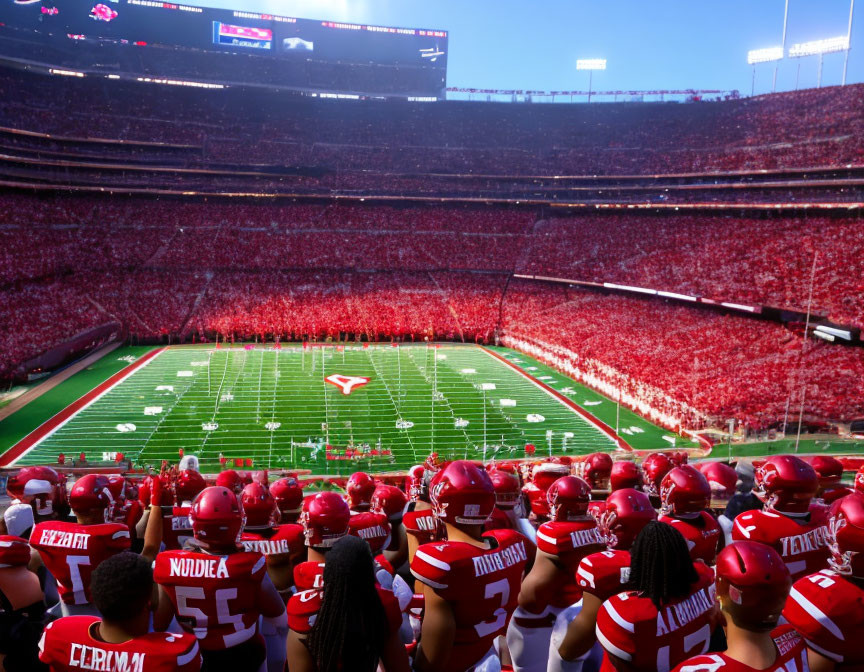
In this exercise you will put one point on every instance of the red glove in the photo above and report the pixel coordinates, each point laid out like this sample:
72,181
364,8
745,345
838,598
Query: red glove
156,491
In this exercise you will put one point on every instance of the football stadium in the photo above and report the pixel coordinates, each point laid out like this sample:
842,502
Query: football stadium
451,337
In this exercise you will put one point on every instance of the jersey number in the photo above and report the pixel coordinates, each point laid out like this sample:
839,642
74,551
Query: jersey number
223,613
75,563
701,638
501,588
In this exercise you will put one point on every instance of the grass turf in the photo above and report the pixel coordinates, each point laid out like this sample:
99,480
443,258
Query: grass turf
439,391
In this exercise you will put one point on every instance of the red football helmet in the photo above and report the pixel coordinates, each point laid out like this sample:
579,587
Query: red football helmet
258,506
598,467
507,489
230,479
568,499
47,503
389,500
360,488
684,490
325,519
722,478
655,467
188,484
828,469
786,484
625,475
288,495
217,517
415,481
752,584
679,457
462,493
627,512
546,473
846,535
92,493
859,480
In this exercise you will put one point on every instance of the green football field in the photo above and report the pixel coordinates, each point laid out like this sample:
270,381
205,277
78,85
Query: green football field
277,408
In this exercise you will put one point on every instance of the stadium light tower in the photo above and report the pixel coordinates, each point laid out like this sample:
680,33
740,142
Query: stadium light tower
590,64
820,48
767,55
848,41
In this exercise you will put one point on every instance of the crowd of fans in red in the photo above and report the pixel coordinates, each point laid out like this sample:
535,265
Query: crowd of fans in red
182,269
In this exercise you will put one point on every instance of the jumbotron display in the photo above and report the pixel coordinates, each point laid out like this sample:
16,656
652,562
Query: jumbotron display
169,39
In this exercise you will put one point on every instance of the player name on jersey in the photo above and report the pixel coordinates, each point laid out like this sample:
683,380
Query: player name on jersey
61,539
374,532
804,543
86,657
181,523
494,562
590,537
678,615
267,546
216,568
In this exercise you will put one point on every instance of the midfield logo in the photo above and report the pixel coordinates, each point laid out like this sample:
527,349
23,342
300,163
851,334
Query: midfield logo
346,383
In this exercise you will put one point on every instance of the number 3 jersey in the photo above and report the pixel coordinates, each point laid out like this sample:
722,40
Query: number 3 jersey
631,628
71,551
69,645
481,584
215,596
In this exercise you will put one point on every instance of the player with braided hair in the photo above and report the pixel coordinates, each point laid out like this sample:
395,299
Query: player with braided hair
352,623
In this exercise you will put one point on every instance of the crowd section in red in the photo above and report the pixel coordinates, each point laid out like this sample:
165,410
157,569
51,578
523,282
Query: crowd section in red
787,130
164,267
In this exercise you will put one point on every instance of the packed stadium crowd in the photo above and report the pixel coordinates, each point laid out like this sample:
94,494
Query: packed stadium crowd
556,565
787,130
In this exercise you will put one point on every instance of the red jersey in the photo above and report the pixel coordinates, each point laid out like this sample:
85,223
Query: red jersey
308,575
69,645
71,551
303,609
801,542
569,542
702,535
604,574
176,528
499,520
422,525
270,542
791,655
215,596
482,586
373,528
828,610
631,628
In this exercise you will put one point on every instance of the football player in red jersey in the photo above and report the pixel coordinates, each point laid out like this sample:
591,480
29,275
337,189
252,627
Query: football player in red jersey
176,528
507,496
360,488
350,623
325,519
551,586
668,613
22,607
282,547
684,496
722,480
122,588
790,522
390,501
596,470
602,575
71,551
830,471
421,525
216,589
471,581
289,498
655,466
230,479
48,500
625,474
752,583
827,607
543,475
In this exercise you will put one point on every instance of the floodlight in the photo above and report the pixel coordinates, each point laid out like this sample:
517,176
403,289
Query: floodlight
764,55
591,64
817,47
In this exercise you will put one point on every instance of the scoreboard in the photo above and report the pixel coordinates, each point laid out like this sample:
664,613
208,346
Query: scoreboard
308,47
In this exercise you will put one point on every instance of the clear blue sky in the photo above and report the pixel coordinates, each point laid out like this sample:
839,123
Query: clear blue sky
649,44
